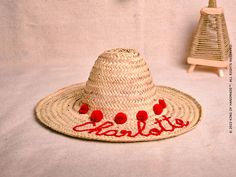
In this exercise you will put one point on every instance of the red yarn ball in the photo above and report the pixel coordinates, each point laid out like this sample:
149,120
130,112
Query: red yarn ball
142,115
120,118
157,108
96,116
162,103
83,109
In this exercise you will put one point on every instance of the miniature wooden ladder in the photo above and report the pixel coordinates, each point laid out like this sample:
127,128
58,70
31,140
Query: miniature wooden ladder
211,45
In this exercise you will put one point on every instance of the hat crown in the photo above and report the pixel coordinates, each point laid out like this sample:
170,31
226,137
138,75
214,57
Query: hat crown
120,81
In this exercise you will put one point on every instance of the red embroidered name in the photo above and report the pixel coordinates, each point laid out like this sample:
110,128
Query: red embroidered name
105,129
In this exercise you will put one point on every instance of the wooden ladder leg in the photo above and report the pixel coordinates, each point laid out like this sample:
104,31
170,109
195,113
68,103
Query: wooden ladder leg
191,68
221,72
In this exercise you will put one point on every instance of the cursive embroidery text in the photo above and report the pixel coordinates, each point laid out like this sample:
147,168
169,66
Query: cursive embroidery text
105,129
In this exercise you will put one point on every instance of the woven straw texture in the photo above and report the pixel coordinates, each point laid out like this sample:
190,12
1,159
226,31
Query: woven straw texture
212,4
120,81
211,40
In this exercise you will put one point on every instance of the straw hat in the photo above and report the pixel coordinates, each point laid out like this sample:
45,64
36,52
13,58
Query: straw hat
119,103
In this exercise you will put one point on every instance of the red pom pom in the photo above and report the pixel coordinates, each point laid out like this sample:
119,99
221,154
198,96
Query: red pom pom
83,109
157,109
162,103
142,115
120,118
96,116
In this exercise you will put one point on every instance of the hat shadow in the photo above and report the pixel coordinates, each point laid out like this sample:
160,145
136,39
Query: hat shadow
186,45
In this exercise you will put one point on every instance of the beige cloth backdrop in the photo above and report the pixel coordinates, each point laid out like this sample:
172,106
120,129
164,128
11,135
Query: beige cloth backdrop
48,44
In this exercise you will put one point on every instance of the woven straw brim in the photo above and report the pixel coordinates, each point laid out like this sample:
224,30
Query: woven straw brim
56,112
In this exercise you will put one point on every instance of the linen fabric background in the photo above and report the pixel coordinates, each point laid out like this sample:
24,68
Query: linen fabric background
48,44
